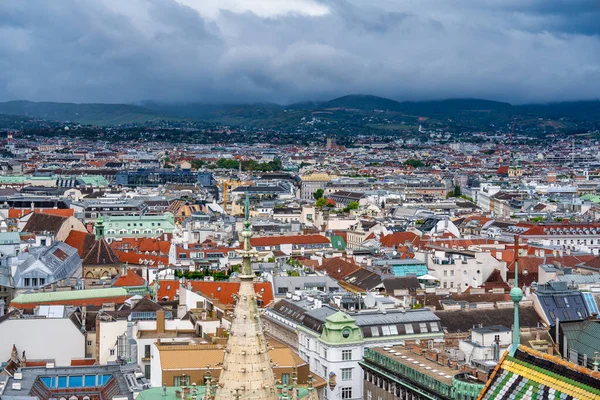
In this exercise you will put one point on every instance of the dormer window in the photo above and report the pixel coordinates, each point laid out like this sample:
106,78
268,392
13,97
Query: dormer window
346,333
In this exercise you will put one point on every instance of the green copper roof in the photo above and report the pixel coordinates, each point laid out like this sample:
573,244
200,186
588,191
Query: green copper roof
171,393
337,242
12,179
69,296
340,317
94,180
341,328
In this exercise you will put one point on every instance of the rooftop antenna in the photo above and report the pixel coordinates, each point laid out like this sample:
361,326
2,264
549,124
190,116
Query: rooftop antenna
516,295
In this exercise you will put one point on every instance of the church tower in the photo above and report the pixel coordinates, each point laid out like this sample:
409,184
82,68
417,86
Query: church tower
246,371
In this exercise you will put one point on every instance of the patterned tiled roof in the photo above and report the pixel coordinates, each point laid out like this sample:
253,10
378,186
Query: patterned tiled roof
530,374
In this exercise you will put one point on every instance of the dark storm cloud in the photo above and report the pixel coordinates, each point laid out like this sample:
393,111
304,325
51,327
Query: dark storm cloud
116,51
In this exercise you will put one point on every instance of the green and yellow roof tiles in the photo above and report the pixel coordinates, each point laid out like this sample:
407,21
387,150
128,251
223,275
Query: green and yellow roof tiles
519,377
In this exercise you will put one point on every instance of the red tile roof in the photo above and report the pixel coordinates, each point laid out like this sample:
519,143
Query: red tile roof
144,244
20,212
399,239
81,241
81,362
133,258
167,289
223,291
338,268
130,279
279,240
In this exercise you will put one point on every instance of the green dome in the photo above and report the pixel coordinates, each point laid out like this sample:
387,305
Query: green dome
516,295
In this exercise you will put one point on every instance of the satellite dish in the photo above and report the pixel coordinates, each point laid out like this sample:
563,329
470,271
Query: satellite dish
370,300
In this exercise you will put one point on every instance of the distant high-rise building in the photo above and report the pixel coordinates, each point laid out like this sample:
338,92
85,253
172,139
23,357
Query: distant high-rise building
330,143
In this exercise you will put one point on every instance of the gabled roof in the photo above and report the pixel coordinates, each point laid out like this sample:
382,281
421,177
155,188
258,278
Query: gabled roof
455,321
167,288
363,279
100,254
223,291
20,212
338,268
129,279
39,222
82,241
399,238
143,244
401,283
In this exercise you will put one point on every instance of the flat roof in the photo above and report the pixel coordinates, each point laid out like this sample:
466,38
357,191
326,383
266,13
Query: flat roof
69,295
419,363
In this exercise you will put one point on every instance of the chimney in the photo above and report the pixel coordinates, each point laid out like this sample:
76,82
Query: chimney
83,316
13,354
160,321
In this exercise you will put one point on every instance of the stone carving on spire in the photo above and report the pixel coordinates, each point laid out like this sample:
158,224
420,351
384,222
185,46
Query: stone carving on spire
246,371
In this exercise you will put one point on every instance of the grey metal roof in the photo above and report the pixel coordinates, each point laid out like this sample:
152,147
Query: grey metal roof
392,317
54,263
30,378
10,238
579,279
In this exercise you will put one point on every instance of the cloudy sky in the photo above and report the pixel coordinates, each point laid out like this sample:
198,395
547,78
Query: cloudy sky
295,50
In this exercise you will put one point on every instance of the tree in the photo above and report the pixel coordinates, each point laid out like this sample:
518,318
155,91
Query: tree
227,163
318,194
197,164
414,163
321,202
352,206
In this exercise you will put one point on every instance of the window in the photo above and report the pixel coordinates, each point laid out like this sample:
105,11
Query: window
282,290
369,395
182,380
346,374
423,327
385,330
147,371
27,282
285,379
409,329
89,342
347,393
112,352
375,330
346,355
346,333
445,272
325,354
147,351
434,327
325,372
451,272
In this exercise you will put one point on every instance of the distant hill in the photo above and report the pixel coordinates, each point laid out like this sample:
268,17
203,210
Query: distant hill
94,114
353,113
363,102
